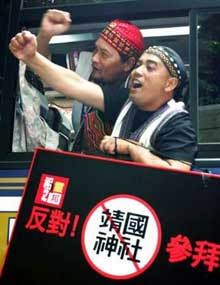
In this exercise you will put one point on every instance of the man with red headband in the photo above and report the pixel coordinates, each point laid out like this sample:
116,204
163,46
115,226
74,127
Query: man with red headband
117,49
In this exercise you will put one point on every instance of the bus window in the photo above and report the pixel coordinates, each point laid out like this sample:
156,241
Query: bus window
73,50
209,77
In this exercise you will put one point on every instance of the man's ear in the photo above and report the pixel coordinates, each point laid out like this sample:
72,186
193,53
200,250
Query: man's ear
171,84
129,64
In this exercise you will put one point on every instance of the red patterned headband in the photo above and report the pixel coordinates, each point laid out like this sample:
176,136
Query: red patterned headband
125,37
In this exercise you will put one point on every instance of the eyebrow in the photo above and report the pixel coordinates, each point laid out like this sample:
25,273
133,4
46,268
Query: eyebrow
148,61
102,49
105,50
151,62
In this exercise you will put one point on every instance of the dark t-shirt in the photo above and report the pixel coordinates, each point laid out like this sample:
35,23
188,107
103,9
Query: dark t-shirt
175,140
94,126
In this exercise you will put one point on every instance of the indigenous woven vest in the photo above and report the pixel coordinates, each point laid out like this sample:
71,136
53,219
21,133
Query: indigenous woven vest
151,127
93,131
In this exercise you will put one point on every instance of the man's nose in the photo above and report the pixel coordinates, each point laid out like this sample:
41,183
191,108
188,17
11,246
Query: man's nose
138,70
95,57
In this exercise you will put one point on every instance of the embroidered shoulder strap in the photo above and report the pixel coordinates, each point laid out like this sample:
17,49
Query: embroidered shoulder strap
152,129
162,123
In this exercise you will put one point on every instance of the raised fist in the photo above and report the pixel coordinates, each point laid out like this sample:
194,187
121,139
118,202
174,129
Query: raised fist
23,46
54,22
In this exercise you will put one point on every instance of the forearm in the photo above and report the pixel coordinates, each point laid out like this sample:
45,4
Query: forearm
143,155
139,153
66,81
43,44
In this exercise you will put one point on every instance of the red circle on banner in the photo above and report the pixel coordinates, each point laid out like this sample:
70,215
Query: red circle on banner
121,236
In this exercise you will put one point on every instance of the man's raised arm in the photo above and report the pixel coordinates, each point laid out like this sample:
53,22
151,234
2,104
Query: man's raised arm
54,22
24,47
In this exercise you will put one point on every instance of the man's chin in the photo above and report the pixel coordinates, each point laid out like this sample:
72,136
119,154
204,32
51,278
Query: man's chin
96,75
134,97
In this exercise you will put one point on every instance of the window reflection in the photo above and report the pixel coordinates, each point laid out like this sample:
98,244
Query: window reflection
209,77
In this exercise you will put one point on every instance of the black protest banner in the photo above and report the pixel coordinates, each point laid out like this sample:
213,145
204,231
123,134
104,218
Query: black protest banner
90,220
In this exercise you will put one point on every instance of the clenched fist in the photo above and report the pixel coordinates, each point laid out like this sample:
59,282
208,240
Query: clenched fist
23,46
54,22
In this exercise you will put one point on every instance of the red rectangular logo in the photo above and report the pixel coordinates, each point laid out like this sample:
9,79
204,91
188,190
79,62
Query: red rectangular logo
51,190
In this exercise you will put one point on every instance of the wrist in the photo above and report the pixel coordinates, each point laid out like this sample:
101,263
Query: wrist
44,36
31,61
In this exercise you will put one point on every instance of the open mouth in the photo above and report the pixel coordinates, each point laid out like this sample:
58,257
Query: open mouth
95,68
136,84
